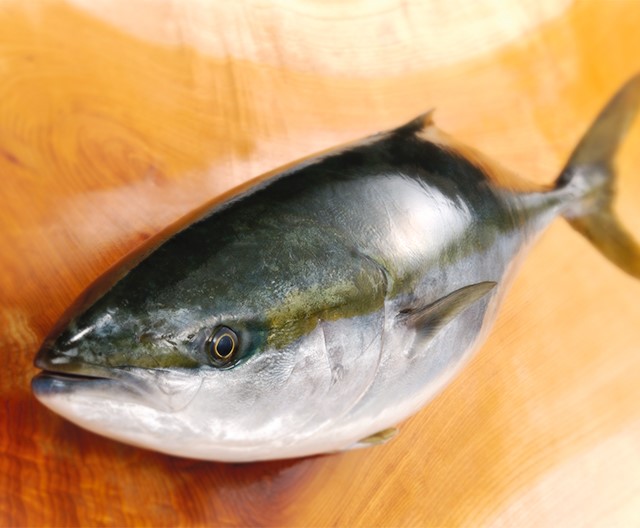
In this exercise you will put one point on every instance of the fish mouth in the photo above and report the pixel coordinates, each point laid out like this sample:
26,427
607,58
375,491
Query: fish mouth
69,376
63,373
54,364
49,383
60,373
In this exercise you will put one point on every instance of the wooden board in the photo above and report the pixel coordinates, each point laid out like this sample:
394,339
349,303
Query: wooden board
118,118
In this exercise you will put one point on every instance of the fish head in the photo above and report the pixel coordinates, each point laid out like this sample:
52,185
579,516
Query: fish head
216,362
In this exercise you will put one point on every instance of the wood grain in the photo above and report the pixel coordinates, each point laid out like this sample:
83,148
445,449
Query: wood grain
119,118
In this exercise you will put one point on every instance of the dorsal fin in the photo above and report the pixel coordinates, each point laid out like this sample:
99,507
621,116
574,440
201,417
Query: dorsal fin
422,122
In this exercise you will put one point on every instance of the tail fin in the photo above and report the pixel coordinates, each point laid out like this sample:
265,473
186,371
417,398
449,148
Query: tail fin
590,176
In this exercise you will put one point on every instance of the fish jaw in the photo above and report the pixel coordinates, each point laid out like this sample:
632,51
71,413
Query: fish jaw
142,407
65,375
115,408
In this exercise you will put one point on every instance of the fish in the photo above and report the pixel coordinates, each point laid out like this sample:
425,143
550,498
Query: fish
318,308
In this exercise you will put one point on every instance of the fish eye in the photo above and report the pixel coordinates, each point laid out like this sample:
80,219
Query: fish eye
222,346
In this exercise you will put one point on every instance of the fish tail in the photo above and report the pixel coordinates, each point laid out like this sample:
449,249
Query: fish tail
590,179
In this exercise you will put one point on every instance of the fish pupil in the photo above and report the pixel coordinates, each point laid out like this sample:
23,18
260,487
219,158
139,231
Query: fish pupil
222,346
225,346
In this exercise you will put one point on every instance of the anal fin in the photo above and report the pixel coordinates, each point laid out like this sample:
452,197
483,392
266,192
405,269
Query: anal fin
379,438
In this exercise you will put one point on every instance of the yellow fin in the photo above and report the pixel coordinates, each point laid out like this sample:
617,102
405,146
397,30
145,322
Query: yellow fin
589,178
381,437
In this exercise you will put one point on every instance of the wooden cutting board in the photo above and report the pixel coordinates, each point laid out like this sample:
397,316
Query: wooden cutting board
118,118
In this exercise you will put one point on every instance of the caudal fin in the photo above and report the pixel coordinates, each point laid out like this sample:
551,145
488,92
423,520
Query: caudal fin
590,176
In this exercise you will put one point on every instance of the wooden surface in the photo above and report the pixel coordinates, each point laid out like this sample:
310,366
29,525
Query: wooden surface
117,118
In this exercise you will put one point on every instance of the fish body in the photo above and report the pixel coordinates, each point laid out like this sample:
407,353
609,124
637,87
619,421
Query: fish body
322,306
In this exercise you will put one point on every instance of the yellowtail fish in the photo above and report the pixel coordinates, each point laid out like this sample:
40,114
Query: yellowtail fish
318,309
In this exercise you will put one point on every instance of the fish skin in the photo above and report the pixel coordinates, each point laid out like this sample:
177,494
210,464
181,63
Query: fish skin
311,269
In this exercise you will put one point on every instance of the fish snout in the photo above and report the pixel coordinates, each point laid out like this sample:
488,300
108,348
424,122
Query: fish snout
52,357
64,355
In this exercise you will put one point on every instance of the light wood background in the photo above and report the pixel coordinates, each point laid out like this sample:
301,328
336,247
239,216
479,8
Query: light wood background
118,118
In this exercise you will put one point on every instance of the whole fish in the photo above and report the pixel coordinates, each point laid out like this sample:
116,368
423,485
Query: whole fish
317,309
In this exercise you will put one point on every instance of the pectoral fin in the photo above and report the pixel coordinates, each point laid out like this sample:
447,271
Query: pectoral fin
431,318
